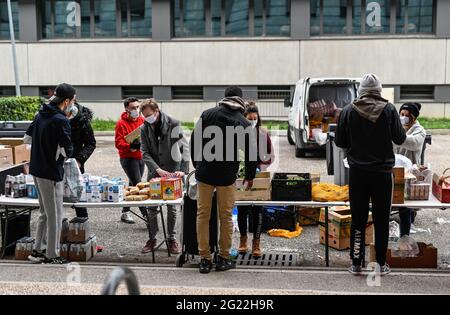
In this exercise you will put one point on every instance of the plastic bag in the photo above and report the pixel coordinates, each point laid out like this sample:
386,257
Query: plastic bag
324,192
73,181
319,136
394,231
405,247
286,233
402,161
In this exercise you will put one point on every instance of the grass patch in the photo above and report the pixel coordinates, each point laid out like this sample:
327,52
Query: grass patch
427,123
435,123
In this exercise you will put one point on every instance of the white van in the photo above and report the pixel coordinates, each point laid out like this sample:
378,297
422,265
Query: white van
340,91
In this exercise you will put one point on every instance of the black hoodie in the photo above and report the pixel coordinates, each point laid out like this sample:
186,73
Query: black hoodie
366,129
83,138
49,129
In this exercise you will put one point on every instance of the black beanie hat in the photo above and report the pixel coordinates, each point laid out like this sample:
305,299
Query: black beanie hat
413,108
233,90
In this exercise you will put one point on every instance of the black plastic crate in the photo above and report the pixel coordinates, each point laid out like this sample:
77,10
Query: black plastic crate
287,187
279,218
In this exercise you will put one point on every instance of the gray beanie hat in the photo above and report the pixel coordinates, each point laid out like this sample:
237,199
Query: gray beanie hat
370,82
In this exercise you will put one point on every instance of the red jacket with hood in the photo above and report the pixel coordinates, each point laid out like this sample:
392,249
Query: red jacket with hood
124,126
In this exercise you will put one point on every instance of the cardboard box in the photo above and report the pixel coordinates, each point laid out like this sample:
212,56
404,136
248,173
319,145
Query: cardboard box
308,216
24,247
11,141
135,134
398,196
260,189
21,153
6,157
79,230
155,188
441,193
339,228
427,258
64,250
64,231
172,188
80,252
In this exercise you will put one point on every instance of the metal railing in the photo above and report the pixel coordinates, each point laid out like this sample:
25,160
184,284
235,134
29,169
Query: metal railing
116,277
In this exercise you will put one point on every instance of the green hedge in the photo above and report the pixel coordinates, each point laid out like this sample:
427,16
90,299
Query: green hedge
19,108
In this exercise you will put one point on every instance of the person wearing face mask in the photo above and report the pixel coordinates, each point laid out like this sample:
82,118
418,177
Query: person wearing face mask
50,135
130,153
83,139
366,130
166,153
265,158
412,149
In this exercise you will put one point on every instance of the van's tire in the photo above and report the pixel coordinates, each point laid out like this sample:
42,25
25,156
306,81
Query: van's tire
290,140
300,153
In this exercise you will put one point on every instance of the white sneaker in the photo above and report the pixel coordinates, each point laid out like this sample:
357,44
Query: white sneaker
127,218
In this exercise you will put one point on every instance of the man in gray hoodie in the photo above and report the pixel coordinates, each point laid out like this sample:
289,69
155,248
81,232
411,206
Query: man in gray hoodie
366,130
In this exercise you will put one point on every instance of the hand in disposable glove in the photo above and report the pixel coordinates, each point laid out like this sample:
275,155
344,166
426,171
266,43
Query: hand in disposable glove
136,145
179,174
163,173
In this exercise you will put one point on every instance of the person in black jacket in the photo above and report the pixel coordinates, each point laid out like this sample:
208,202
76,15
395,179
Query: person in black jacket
366,129
50,144
82,138
220,136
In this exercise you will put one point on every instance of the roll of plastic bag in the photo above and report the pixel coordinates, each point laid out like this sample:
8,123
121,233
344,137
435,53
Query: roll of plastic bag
73,181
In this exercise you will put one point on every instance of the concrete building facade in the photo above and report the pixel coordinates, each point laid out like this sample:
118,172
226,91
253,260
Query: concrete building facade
185,52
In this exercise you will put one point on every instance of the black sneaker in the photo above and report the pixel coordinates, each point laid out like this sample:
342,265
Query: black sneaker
355,270
37,257
55,261
224,264
384,270
205,265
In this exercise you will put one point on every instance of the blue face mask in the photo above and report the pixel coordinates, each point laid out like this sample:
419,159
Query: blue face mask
152,119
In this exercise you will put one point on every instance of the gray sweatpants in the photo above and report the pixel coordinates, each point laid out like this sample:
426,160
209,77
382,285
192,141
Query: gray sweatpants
50,195
171,223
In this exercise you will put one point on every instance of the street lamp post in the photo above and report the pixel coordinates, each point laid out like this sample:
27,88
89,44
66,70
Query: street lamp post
13,47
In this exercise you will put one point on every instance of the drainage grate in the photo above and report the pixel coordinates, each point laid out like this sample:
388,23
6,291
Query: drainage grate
269,260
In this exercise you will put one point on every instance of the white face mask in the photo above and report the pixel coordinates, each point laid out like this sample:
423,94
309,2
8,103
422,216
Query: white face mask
254,123
72,111
404,120
152,119
134,113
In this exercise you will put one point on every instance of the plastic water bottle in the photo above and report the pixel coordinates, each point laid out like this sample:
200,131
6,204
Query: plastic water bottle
235,220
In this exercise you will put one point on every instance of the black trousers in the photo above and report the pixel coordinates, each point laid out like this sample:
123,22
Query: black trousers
134,170
366,186
81,212
257,217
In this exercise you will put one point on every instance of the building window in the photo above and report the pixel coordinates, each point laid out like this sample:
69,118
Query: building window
4,20
416,92
273,92
367,17
187,92
415,16
46,91
100,18
141,92
7,91
231,18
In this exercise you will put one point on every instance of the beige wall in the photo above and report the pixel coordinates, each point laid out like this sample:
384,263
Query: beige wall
283,62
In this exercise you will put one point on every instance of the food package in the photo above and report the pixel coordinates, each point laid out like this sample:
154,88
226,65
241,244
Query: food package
324,192
79,230
116,193
132,191
155,188
145,192
136,197
172,188
143,185
73,181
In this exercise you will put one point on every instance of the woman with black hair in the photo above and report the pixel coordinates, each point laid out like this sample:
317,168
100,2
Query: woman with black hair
265,158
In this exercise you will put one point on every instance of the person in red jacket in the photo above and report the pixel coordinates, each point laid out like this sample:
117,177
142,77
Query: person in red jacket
130,153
